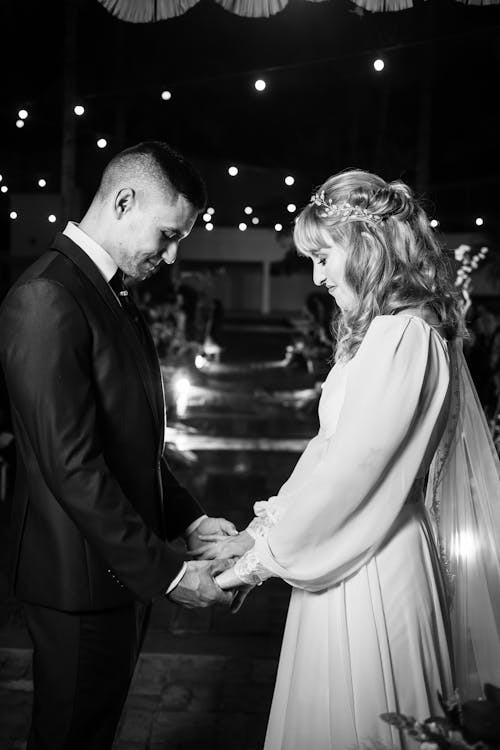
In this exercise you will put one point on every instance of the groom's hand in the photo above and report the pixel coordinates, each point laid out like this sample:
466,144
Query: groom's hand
217,546
218,527
197,587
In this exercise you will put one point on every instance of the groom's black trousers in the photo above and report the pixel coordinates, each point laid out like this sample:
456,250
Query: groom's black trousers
82,666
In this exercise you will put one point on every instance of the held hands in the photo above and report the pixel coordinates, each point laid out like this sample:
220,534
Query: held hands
217,540
221,547
197,587
218,527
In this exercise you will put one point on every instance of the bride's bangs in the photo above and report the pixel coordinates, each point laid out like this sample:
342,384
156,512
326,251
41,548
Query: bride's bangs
309,234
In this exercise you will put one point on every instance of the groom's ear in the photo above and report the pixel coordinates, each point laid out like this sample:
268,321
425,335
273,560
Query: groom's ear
124,201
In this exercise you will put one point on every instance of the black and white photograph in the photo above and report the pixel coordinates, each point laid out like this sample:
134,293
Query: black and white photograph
250,375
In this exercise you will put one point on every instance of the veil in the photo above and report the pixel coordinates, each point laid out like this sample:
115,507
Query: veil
463,498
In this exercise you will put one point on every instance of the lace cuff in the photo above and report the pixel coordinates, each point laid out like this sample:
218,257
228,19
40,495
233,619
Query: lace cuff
250,569
259,526
267,513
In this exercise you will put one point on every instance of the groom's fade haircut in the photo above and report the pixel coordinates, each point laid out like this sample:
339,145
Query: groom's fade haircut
151,164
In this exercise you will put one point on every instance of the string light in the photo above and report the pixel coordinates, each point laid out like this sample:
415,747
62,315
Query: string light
209,226
166,95
102,143
378,64
19,123
289,180
79,110
479,221
248,210
22,114
233,171
255,220
291,208
211,211
278,227
13,214
434,223
4,188
207,216
260,84
242,226
51,218
42,183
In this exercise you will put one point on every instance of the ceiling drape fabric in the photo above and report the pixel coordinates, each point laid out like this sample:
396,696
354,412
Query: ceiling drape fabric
149,11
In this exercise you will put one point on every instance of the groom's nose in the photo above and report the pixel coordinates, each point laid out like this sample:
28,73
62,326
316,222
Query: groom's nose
170,254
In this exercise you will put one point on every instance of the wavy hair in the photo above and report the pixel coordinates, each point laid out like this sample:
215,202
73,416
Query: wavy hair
393,258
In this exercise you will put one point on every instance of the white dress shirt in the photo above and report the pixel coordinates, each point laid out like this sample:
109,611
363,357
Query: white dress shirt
108,268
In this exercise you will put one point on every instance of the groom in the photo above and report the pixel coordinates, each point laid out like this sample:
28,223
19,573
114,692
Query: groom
95,502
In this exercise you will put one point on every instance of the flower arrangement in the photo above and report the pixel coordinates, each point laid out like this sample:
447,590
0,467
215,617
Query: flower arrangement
468,264
471,725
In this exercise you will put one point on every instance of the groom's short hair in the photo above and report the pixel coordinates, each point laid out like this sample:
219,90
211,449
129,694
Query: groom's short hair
155,163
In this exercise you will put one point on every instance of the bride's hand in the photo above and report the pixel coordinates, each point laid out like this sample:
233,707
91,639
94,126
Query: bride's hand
222,547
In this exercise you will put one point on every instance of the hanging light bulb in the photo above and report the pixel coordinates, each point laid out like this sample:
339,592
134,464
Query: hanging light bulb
102,143
379,65
42,183
22,114
233,171
166,95
255,220
52,218
209,226
260,85
79,110
19,123
13,214
291,208
242,226
248,210
289,180
479,222
278,227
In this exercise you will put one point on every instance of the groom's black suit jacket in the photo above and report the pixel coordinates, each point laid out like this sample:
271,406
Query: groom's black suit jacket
94,498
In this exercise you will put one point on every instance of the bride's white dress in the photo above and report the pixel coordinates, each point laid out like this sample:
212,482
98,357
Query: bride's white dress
366,631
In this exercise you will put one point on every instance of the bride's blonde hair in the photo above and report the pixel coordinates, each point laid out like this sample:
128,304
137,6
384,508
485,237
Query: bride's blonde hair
393,258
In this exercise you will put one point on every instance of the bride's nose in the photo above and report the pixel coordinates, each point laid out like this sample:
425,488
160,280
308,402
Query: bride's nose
318,273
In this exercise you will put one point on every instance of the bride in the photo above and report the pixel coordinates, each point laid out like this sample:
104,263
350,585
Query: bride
369,529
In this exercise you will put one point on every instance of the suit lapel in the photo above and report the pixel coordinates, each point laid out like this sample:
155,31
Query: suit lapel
147,365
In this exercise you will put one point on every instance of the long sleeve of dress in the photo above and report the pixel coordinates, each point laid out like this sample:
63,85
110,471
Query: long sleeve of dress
331,523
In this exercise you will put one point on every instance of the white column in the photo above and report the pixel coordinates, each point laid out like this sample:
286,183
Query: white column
265,307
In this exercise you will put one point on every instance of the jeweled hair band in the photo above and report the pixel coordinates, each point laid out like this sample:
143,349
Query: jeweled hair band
344,211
